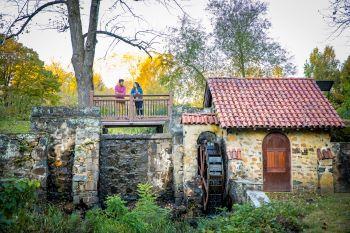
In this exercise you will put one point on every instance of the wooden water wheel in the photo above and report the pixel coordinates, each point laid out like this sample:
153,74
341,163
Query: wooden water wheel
211,170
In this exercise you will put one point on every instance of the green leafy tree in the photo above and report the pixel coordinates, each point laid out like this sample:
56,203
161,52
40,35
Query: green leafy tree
325,66
241,33
344,91
322,65
68,92
24,81
190,60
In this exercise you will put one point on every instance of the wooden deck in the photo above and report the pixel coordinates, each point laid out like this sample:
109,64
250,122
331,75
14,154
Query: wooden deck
122,112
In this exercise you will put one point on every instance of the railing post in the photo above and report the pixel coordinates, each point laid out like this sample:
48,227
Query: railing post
170,104
91,97
131,108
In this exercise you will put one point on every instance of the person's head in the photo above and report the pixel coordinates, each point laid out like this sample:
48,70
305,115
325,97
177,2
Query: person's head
121,82
136,85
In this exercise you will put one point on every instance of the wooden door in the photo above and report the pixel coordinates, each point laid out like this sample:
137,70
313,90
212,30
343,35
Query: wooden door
276,163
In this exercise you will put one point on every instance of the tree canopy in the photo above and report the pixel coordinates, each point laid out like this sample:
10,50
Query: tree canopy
190,60
24,81
239,46
241,33
69,15
325,66
68,92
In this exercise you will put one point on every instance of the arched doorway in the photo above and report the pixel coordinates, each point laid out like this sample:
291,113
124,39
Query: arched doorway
276,163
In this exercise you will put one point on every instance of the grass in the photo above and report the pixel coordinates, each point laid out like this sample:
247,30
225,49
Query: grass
330,213
14,126
132,130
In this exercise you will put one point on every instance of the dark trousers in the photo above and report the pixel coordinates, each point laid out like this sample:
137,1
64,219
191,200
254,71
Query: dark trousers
139,107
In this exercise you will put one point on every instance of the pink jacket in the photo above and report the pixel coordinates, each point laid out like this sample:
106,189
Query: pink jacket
120,91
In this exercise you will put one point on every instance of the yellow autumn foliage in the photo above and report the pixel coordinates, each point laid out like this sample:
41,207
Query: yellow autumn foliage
68,89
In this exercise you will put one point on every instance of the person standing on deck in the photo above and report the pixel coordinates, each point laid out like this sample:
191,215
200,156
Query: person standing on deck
120,89
137,93
120,92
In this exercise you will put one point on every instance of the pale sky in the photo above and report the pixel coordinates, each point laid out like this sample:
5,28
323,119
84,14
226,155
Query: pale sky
297,24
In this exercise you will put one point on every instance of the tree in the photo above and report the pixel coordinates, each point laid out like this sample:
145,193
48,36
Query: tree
24,81
68,85
322,66
339,15
150,71
191,58
325,66
241,33
344,91
83,41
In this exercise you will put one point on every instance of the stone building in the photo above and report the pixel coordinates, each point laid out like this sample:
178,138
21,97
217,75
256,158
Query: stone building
274,134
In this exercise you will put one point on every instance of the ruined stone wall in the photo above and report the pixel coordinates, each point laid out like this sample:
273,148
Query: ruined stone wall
128,160
24,156
341,166
73,151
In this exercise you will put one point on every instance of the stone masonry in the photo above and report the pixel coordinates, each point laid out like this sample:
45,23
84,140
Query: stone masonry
325,176
341,166
24,156
128,160
73,151
86,165
245,164
74,162
304,145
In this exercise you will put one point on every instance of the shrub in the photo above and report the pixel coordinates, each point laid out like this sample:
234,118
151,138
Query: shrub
16,195
147,216
274,217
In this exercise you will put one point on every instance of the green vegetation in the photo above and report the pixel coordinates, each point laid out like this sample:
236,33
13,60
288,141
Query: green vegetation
132,130
276,217
14,126
330,213
24,81
20,211
325,66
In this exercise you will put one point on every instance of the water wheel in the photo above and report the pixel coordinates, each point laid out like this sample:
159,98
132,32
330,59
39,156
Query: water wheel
211,170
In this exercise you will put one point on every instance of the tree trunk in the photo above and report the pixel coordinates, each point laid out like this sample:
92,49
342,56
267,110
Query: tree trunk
83,55
77,40
89,57
241,61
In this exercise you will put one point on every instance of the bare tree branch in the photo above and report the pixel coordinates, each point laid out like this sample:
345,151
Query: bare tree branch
142,45
30,16
338,16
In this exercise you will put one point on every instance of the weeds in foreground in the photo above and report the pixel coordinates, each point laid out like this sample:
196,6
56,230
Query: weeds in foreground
21,212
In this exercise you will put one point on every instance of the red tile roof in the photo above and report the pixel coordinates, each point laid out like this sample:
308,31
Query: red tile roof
199,119
271,103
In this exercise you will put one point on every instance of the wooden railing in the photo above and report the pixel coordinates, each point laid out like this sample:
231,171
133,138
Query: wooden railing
113,109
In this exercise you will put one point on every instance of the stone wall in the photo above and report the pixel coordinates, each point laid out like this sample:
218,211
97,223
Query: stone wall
176,129
73,151
192,189
341,166
304,145
245,164
325,176
128,160
24,156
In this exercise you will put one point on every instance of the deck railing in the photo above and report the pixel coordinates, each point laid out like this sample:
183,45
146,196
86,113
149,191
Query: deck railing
113,109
